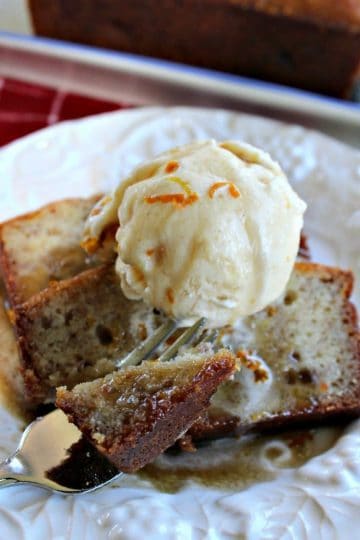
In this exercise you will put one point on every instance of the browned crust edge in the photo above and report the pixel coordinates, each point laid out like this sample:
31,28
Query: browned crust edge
8,274
52,207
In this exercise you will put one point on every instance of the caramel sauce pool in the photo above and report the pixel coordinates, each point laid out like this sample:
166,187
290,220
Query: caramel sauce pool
8,357
238,462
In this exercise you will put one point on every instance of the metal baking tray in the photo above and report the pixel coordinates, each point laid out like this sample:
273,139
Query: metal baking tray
146,81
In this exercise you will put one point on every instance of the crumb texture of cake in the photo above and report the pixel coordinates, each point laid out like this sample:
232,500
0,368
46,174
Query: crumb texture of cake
43,246
73,331
136,413
300,358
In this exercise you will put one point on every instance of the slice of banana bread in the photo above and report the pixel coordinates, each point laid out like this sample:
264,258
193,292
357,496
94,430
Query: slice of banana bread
133,415
43,246
300,359
73,331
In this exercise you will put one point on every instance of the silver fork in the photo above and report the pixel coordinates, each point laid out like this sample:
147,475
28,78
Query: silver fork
53,453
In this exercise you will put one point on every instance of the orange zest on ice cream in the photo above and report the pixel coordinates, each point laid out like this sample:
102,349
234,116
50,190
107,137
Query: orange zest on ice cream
171,166
179,200
233,190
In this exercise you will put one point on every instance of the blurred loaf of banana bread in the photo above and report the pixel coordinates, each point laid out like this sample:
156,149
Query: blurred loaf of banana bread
313,45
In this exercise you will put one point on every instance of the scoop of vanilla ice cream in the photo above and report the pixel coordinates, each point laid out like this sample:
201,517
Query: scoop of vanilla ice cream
206,230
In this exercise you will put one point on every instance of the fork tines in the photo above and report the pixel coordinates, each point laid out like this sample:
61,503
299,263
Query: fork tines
166,330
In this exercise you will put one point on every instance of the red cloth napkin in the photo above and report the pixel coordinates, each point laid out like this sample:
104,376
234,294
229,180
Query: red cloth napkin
26,107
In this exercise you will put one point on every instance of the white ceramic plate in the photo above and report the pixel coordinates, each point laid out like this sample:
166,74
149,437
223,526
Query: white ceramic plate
320,498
